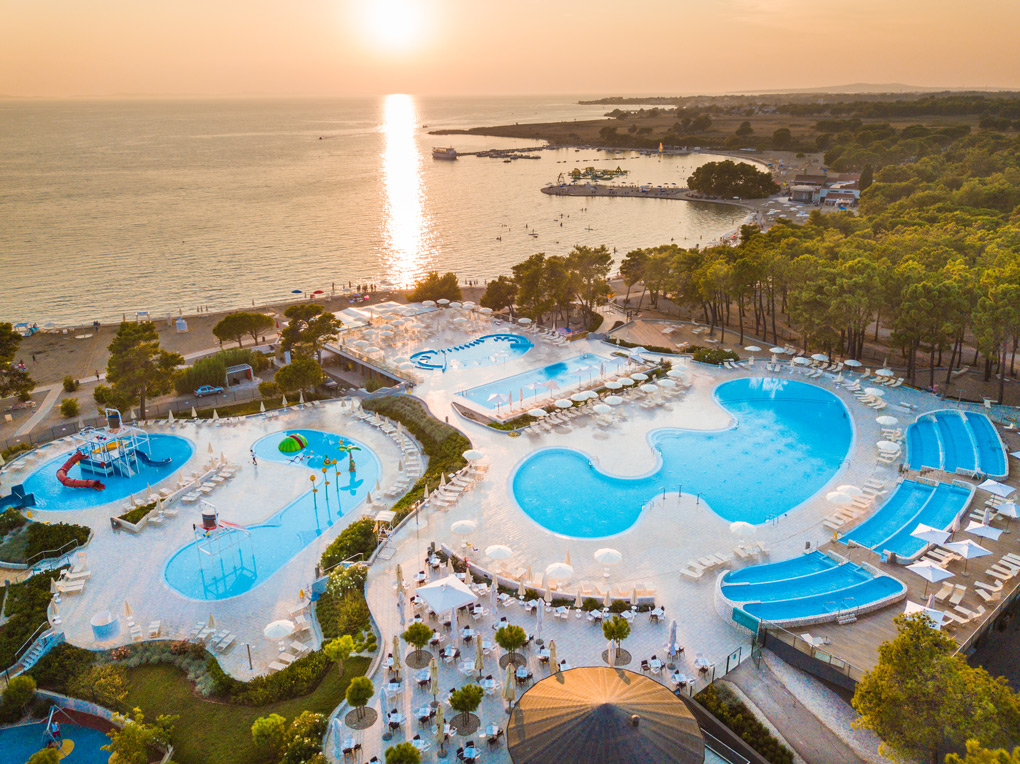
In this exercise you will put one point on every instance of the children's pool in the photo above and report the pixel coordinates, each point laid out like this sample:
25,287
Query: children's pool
18,743
481,351
790,440
556,380
236,560
50,494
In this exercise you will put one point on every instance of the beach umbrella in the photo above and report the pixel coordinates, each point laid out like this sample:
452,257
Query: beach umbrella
601,408
169,419
194,414
639,377
552,656
262,407
442,479
887,421
524,321
538,413
820,357
579,600
675,374
473,455
429,303
400,578
463,527
283,401
669,384
626,381
607,601
838,498
937,617
559,571
128,612
611,653
522,587
447,593
985,531
614,384
742,529
801,360
563,403
278,630
884,373
634,597
850,490
777,350
548,592
578,397
485,311
301,398
396,653
607,556
874,392
967,549
999,489
442,301
929,572
479,658
753,349
215,415
434,677
613,400
509,692
852,363
888,446
929,534
498,552
538,622
672,645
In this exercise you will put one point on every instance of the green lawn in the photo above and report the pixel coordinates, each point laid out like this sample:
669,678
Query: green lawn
209,731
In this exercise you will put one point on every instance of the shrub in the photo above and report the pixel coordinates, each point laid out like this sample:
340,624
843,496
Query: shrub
71,384
61,665
372,384
304,739
444,445
16,449
11,519
49,537
45,756
358,538
269,734
649,348
69,407
18,692
299,678
742,721
402,753
25,612
136,514
715,356
102,683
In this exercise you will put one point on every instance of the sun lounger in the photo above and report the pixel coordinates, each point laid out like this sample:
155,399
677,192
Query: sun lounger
958,595
970,614
945,591
988,596
154,628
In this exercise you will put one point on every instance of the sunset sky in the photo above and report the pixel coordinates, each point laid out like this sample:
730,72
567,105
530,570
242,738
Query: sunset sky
59,48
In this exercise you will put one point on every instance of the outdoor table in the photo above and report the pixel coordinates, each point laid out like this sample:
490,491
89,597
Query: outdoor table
394,719
561,611
434,561
423,714
487,684
470,754
543,655
486,645
656,665
467,633
422,677
628,615
388,662
492,730
656,614
391,688
449,653
420,576
564,666
679,679
419,743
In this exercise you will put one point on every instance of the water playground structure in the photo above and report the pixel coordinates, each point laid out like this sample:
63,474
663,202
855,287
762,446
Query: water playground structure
115,450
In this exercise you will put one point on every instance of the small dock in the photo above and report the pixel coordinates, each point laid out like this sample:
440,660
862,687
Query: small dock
597,189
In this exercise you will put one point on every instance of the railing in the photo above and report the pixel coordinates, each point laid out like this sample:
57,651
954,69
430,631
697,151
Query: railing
847,669
21,651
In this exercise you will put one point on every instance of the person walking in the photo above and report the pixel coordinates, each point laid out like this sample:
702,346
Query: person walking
253,459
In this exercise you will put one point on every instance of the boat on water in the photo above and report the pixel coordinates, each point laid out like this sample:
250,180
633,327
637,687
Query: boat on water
444,153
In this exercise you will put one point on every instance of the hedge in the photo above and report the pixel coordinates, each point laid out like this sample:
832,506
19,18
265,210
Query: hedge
212,370
742,721
357,538
136,514
11,519
715,356
27,544
444,445
16,449
26,611
299,678
649,348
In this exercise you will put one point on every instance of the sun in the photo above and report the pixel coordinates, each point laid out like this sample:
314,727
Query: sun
393,25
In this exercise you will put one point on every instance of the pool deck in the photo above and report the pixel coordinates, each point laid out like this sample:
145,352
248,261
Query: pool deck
129,567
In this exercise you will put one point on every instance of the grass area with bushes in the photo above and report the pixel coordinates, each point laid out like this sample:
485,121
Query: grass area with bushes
135,515
739,718
29,543
16,449
714,356
25,612
212,370
10,520
444,445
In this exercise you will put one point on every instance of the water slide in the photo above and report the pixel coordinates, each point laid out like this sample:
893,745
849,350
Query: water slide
76,457
150,461
17,499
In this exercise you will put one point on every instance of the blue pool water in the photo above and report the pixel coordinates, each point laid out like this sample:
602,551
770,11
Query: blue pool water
905,502
832,579
991,456
18,743
939,510
851,597
482,351
777,571
51,494
790,440
557,380
273,543
953,440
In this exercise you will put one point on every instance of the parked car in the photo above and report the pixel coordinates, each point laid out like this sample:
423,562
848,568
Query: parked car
205,390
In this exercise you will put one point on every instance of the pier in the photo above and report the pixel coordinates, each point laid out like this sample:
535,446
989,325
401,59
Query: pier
596,189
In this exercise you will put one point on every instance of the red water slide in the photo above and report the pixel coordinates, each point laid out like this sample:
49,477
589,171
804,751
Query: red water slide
73,482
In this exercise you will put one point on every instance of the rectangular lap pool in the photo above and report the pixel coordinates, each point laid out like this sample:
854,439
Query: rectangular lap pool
554,381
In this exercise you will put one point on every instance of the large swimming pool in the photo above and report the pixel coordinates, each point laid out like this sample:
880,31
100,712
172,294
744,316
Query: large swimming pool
50,494
555,380
199,572
481,351
790,440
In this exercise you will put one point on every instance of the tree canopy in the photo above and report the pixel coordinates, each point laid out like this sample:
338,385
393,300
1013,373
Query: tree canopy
300,374
309,326
949,702
432,286
729,178
236,326
138,367
500,294
13,381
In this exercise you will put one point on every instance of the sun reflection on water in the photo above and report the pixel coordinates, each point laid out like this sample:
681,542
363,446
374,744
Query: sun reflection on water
406,227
